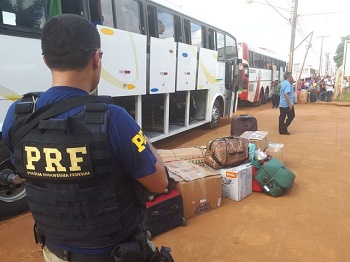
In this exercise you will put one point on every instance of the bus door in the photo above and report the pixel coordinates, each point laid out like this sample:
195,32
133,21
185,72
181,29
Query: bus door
233,82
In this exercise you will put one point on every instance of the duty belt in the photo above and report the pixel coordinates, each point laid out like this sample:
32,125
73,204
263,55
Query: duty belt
76,257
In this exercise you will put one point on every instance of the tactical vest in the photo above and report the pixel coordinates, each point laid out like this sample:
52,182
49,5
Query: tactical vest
73,187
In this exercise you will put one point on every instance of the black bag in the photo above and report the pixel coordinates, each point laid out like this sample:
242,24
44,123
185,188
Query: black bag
242,123
164,213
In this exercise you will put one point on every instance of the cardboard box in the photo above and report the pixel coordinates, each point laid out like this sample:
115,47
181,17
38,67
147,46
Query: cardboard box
237,182
276,150
259,138
193,154
200,186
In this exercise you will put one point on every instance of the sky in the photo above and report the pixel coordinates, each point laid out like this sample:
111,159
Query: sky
260,25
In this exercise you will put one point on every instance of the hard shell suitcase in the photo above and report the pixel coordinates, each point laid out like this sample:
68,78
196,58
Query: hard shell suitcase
164,213
242,123
274,177
255,185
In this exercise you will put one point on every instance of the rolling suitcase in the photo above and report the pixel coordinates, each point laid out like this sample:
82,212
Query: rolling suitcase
242,123
165,212
274,177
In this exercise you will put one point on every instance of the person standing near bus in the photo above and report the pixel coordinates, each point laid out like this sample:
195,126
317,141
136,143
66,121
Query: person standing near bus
276,94
287,100
85,192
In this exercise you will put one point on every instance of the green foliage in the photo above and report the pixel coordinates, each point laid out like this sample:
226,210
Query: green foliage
344,98
338,58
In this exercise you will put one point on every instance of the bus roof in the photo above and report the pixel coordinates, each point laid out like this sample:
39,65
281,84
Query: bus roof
262,50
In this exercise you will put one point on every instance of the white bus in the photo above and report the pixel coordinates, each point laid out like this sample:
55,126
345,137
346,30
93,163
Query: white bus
261,67
170,71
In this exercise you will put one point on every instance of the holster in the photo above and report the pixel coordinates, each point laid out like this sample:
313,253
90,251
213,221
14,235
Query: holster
127,252
38,236
140,250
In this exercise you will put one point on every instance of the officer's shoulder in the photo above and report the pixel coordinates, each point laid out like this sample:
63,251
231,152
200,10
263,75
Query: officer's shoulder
115,109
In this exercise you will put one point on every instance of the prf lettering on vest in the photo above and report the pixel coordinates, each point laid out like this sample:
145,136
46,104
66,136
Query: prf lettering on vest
53,158
140,141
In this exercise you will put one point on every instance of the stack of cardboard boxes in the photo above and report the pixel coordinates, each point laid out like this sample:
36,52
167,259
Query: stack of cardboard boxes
202,187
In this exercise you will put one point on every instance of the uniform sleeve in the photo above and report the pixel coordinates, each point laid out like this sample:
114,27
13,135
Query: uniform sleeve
129,145
6,128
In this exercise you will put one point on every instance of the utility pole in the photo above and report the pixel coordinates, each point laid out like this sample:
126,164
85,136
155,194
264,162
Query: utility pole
327,64
320,67
292,36
307,51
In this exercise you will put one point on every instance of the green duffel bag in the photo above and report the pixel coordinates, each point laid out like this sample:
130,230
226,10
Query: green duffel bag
275,178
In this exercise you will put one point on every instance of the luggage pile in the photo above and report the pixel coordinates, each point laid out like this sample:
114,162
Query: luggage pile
307,96
232,167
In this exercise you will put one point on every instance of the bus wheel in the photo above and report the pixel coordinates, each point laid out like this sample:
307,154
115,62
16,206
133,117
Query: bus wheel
12,196
258,103
215,115
262,97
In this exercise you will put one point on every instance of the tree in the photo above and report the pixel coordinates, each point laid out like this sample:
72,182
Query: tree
338,58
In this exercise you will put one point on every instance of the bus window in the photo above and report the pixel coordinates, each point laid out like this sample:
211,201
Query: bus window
152,18
231,48
71,7
107,13
187,30
95,12
264,65
178,35
221,46
211,39
261,61
165,26
256,60
269,63
29,14
251,59
196,35
128,17
204,37
246,70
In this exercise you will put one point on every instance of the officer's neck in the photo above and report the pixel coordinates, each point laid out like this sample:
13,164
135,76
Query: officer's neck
77,79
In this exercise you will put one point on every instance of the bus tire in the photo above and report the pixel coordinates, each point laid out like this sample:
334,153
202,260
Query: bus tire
215,115
12,197
257,103
262,97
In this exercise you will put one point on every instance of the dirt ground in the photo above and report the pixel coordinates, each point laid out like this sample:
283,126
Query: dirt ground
310,223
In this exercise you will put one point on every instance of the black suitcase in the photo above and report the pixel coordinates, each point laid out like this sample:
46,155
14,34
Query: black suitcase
164,213
242,123
313,97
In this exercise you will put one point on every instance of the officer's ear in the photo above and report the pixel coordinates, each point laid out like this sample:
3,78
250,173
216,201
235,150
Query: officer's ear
97,58
45,61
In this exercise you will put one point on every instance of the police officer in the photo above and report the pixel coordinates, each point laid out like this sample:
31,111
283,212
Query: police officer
82,167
